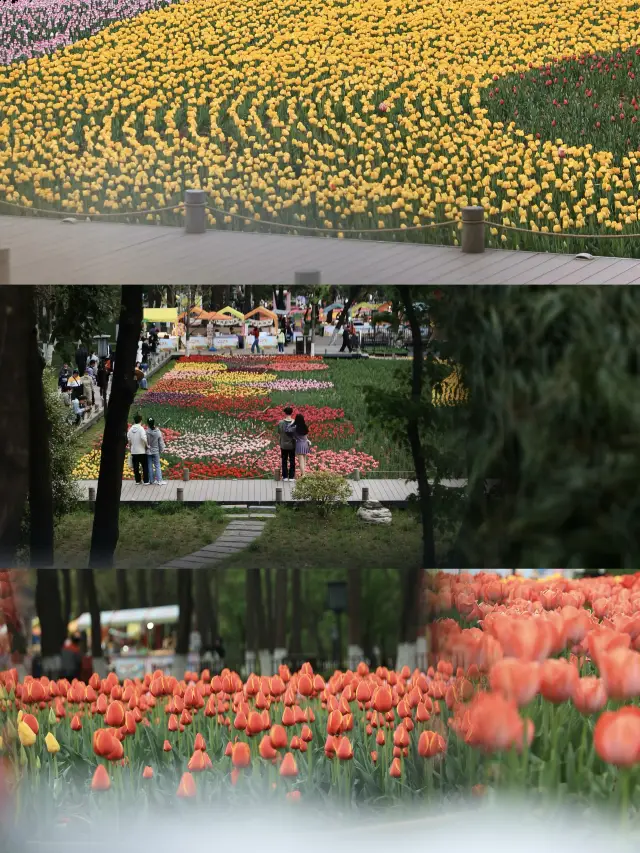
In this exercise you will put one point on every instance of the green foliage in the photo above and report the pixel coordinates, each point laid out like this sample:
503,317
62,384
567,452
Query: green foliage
68,313
324,490
553,420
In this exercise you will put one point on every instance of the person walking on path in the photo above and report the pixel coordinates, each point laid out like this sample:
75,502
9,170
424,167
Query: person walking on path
137,439
281,340
155,446
287,446
255,346
82,354
346,339
102,381
300,432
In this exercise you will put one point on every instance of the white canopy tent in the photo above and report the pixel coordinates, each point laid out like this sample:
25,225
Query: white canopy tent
166,615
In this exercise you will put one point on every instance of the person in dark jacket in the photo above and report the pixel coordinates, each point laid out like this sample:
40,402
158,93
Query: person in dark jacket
102,381
287,446
82,355
346,340
300,432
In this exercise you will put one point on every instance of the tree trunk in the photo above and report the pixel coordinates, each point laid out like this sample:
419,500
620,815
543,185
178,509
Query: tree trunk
52,626
264,653
412,577
171,296
81,591
66,598
296,617
280,617
142,597
41,525
158,587
205,612
268,594
248,298
355,652
104,537
251,628
96,626
122,590
14,417
185,603
353,295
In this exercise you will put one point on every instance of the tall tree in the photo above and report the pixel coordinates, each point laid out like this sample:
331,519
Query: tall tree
185,603
96,623
15,340
354,596
122,588
142,595
53,628
104,537
295,649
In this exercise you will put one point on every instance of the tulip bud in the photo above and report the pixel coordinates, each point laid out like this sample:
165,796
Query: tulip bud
52,719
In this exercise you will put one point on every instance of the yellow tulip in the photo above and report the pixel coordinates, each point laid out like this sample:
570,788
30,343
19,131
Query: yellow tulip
53,747
25,734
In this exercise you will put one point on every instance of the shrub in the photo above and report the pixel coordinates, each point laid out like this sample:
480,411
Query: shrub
323,490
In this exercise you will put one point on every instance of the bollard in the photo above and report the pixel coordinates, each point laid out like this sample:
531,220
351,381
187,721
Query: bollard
185,475
4,266
92,496
180,494
278,494
195,212
365,494
472,242
356,475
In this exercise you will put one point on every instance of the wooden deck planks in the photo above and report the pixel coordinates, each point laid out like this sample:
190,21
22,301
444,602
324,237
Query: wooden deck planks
43,251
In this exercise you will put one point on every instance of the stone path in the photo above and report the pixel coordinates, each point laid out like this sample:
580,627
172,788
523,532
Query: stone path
235,537
44,251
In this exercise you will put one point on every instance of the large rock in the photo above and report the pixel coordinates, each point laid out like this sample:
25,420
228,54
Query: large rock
372,512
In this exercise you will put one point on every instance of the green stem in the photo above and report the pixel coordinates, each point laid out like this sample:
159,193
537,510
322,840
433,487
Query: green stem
624,778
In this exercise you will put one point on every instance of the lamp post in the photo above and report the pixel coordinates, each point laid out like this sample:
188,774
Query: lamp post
337,603
103,345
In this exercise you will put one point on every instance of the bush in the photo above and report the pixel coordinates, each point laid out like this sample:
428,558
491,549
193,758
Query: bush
323,490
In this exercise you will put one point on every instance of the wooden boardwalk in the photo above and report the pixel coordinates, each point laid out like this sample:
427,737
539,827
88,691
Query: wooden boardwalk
253,492
46,251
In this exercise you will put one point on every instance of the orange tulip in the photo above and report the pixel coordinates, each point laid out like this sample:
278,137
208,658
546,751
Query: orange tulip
620,671
115,714
147,773
396,769
241,755
278,737
199,762
431,744
616,736
334,723
344,749
167,746
31,721
187,787
558,679
76,723
100,780
383,700
589,695
289,768
199,742
266,749
515,679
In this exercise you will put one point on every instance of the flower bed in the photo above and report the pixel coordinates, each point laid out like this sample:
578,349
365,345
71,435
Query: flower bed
408,130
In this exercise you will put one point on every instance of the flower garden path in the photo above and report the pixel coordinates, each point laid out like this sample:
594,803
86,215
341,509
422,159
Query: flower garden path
254,492
45,251
236,536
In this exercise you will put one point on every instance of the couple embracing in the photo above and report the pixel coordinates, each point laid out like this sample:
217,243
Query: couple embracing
294,444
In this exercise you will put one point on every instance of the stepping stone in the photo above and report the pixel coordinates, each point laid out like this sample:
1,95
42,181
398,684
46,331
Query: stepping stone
261,508
253,515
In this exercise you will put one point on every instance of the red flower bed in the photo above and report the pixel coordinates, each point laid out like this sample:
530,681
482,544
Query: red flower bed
240,407
329,430
211,471
312,414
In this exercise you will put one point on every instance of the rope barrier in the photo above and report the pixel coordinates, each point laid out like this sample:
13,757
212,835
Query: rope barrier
302,227
91,215
560,233
315,229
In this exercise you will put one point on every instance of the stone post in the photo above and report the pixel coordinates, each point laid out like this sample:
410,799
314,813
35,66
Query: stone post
4,266
472,242
195,210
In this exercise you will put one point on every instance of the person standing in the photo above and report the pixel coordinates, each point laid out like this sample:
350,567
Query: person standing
155,446
346,340
281,340
102,381
137,439
300,432
63,377
255,346
287,446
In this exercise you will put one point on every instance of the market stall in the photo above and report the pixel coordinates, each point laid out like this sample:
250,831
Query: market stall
267,323
166,320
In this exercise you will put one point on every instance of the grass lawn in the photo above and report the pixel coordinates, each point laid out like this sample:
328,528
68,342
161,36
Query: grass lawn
150,537
300,536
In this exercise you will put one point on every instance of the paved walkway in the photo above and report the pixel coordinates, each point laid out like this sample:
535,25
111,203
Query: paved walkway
235,537
254,492
46,251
